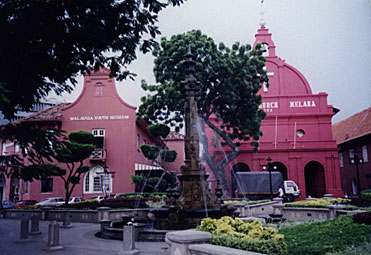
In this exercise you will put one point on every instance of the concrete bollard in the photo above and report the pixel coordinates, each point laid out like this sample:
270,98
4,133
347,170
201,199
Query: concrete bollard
104,224
103,213
53,237
181,240
23,237
35,224
66,220
279,200
278,209
128,246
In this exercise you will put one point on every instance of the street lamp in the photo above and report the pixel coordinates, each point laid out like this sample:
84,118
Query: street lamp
270,176
356,161
106,171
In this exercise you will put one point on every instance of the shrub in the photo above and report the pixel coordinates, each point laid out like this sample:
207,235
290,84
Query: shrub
366,195
261,246
153,181
137,178
249,235
364,217
318,203
156,204
326,236
360,250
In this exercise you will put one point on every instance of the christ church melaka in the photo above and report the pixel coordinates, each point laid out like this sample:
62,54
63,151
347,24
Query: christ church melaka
297,131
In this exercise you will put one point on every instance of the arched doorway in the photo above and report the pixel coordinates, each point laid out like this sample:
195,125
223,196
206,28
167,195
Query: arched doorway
315,185
2,187
278,166
239,167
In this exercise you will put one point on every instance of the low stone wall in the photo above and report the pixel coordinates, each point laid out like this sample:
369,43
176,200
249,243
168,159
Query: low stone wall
258,210
305,214
317,214
88,216
192,242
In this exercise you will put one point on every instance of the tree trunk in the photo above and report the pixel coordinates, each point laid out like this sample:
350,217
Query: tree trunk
219,169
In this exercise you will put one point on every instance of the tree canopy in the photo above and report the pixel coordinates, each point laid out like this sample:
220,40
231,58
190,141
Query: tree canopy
76,149
45,44
227,102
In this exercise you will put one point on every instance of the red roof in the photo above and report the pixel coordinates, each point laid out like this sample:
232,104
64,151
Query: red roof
353,127
51,114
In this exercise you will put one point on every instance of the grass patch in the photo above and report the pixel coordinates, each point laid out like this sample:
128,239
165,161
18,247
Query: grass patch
326,236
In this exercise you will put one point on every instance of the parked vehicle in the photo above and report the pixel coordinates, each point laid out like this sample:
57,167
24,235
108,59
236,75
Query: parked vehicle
9,204
99,198
256,185
51,201
25,203
75,199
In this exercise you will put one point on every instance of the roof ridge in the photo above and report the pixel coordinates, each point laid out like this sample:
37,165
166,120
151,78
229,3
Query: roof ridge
359,122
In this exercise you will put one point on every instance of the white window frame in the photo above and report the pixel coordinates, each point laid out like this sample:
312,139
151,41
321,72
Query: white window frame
341,160
364,153
94,172
98,132
351,153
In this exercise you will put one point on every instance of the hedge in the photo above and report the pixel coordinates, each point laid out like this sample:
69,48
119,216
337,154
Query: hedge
249,236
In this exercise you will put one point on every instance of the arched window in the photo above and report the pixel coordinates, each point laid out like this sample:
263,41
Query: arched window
93,180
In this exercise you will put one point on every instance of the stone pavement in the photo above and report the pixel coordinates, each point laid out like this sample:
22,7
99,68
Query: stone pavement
78,240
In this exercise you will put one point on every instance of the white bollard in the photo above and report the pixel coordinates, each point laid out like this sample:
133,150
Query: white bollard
128,246
53,237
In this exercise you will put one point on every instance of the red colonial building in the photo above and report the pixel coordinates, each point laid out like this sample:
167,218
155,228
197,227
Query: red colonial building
353,137
297,131
100,110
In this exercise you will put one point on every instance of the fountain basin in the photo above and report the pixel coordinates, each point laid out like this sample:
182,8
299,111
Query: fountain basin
174,218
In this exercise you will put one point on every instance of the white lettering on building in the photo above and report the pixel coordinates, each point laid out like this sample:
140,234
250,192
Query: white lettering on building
268,106
299,104
104,117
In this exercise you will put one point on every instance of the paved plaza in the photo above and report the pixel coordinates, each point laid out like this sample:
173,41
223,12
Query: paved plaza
78,240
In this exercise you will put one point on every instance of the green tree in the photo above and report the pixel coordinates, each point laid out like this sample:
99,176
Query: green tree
76,149
36,147
230,80
45,44
159,156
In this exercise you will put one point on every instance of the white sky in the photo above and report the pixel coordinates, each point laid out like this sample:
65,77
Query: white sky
328,41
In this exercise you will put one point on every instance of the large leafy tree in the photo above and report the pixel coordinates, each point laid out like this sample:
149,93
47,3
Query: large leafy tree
36,148
227,102
46,43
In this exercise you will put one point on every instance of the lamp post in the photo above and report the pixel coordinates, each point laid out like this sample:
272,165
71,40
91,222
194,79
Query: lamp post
356,161
270,176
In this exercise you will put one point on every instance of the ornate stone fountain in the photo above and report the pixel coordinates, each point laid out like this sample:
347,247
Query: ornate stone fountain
187,209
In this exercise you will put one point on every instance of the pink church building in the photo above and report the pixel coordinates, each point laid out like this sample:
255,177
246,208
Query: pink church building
100,110
297,131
